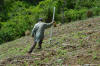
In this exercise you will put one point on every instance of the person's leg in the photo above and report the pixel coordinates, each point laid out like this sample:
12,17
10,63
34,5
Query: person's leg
40,44
32,47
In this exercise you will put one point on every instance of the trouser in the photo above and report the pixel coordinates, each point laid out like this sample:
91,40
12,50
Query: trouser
34,44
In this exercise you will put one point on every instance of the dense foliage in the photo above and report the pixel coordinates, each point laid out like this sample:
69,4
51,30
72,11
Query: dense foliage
16,16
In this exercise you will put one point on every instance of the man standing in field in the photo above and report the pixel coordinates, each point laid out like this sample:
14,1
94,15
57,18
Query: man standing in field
38,33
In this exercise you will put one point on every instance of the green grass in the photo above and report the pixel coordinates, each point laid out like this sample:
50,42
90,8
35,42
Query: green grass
95,55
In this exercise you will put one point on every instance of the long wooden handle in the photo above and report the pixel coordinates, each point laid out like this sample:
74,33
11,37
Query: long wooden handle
52,26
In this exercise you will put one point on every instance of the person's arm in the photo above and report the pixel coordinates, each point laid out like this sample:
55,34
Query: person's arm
47,25
33,31
50,24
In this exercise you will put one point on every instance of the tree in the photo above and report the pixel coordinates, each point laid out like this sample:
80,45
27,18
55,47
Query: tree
1,5
63,6
35,2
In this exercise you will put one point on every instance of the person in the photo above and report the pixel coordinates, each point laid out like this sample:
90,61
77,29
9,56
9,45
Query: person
38,33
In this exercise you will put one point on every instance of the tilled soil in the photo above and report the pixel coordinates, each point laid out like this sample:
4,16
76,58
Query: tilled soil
81,40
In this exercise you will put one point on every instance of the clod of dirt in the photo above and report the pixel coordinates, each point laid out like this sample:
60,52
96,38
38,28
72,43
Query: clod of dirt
68,46
90,32
9,59
89,25
53,52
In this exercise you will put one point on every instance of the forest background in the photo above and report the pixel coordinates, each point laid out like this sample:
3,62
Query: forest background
17,16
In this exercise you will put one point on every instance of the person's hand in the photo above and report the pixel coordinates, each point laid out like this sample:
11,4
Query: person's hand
32,35
54,24
53,21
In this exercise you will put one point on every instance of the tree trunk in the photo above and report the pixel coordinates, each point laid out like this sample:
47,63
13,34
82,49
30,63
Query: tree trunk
63,17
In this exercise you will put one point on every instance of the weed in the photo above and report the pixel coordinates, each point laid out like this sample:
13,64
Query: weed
37,62
25,63
98,41
94,55
90,51
80,61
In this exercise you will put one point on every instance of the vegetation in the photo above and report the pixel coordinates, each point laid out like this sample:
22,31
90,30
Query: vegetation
17,16
75,43
79,44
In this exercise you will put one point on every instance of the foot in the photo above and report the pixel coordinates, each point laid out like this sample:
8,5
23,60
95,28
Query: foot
29,52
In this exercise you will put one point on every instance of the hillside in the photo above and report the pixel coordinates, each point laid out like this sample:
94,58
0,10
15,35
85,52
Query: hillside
75,43
18,16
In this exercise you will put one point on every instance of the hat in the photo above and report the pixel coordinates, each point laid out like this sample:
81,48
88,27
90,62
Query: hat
40,19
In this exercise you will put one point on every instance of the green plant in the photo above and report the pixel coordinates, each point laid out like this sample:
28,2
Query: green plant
82,13
80,61
25,63
61,52
7,34
71,15
94,55
98,41
96,11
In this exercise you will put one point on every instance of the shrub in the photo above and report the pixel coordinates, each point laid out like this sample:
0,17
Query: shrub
11,31
15,28
7,34
82,13
96,11
71,15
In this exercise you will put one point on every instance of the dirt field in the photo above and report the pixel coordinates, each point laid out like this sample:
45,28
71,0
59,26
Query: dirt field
74,44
